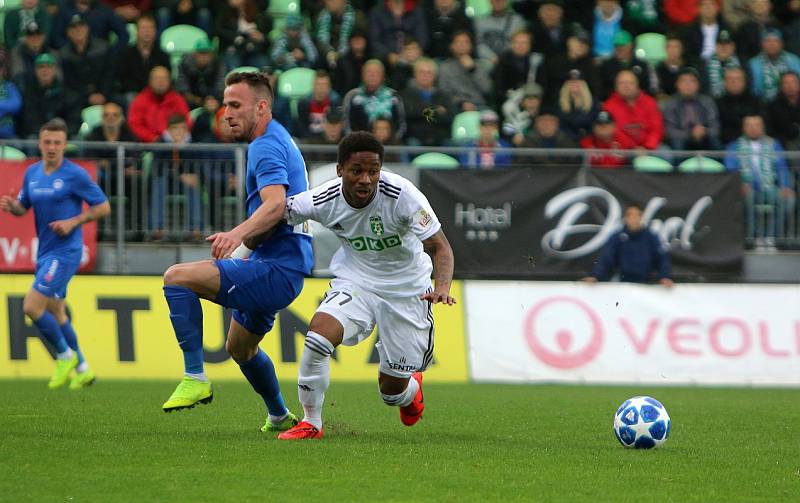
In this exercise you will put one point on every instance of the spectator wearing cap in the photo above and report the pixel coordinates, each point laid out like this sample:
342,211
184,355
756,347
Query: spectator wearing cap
243,30
493,32
294,47
44,98
332,133
517,66
311,110
735,103
201,75
749,34
520,110
713,69
17,21
88,65
606,137
332,29
623,59
23,55
547,134
151,108
373,99
193,12
482,155
466,79
760,161
606,23
549,31
578,57
10,102
644,16
773,61
700,37
390,22
429,110
691,120
783,113
636,113
347,74
667,70
100,18
444,18
577,108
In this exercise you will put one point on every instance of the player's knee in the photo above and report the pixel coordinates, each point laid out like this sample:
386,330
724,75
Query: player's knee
174,276
32,308
239,351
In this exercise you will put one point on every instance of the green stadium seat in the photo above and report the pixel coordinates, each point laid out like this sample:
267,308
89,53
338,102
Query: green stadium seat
282,8
466,126
435,160
478,8
131,33
11,153
651,164
178,40
91,116
651,47
296,83
7,5
195,112
701,164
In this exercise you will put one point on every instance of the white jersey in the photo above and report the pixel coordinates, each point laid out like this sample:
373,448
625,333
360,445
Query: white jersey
382,242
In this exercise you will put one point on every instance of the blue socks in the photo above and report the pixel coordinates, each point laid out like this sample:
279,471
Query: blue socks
260,371
49,328
186,316
72,339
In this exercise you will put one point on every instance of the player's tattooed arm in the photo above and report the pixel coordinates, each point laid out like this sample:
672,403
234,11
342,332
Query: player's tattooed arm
440,251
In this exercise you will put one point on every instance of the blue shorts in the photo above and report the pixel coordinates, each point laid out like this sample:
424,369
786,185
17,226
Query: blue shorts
256,290
53,273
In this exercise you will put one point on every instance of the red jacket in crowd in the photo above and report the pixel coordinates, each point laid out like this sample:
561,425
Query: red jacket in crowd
681,12
612,158
641,122
148,113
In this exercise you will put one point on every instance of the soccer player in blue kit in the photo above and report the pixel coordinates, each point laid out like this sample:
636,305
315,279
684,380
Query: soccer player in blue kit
56,188
256,287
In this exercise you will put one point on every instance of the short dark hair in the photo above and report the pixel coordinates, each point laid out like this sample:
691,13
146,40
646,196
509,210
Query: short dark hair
56,124
633,205
176,119
358,141
258,82
146,17
322,74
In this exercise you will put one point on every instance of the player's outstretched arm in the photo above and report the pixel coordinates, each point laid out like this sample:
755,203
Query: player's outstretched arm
261,222
440,251
12,205
96,212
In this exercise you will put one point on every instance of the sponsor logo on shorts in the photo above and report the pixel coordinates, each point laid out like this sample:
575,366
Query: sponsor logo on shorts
401,365
376,224
365,243
51,271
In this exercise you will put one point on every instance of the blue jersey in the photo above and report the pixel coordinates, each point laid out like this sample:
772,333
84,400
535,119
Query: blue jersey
274,159
58,196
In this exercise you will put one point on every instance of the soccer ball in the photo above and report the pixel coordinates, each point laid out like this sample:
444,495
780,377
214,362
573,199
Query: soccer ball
642,423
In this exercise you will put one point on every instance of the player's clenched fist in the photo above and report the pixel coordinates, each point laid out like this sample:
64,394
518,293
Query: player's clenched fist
6,203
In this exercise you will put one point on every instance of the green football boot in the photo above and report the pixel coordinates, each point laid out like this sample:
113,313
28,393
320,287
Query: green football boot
63,369
289,421
189,393
82,380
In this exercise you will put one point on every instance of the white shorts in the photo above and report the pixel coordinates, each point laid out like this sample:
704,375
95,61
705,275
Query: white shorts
405,325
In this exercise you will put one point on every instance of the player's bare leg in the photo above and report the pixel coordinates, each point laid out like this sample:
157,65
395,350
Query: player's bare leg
324,334
405,393
184,286
257,367
35,307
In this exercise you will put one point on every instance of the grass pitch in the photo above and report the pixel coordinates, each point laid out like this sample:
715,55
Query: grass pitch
475,443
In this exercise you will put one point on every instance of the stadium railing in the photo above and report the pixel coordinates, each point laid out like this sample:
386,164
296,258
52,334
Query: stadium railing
162,193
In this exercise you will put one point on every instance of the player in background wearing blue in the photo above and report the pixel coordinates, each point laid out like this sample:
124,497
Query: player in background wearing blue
256,287
56,188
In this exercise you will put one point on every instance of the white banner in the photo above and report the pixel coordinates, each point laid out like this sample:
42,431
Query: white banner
625,333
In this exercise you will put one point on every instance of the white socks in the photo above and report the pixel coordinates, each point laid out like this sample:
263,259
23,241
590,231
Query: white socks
314,378
404,398
197,377
66,355
82,367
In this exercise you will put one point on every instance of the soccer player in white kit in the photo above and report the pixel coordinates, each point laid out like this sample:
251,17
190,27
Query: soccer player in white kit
389,234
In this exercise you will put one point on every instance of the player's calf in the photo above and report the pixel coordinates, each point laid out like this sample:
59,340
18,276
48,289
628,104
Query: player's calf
410,400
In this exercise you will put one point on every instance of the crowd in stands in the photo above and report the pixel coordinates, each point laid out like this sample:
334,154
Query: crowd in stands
541,73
